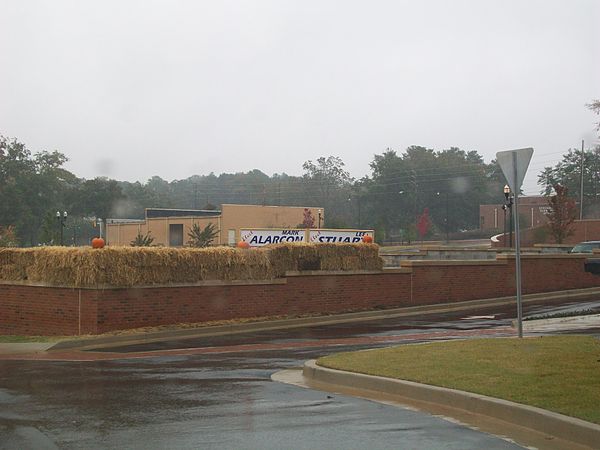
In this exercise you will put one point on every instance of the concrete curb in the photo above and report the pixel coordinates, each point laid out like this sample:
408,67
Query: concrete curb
540,420
191,333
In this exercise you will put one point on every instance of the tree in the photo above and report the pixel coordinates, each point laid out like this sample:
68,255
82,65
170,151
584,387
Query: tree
142,240
309,220
595,107
451,183
8,237
567,173
562,214
327,184
31,185
98,197
423,223
202,237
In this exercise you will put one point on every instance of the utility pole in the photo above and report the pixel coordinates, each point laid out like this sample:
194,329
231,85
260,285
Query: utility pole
415,187
195,195
447,218
581,187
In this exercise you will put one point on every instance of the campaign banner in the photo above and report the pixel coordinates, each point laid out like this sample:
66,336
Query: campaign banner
260,237
338,236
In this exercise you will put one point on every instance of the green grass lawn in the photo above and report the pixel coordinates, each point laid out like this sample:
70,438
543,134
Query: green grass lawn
557,373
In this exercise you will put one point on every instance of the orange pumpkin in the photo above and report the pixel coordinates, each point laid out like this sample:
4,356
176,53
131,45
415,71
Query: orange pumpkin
243,244
367,239
97,242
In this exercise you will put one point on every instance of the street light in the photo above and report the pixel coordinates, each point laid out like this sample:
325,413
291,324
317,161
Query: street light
509,202
61,219
357,196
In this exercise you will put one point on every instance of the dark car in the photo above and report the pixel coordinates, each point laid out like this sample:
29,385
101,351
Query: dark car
585,247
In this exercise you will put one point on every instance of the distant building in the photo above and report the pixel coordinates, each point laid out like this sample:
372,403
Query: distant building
170,227
532,213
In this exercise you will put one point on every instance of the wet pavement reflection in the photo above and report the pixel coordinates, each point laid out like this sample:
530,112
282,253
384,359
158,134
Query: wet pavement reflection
222,400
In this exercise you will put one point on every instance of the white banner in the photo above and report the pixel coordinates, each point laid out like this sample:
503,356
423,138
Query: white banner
338,236
258,238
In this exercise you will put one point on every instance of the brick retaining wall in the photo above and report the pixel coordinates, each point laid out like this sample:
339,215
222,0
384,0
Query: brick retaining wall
30,309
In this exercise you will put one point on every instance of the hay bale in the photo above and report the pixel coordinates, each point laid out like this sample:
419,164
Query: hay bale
139,266
12,272
14,263
293,257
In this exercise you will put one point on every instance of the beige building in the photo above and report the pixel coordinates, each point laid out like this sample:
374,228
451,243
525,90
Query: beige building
170,227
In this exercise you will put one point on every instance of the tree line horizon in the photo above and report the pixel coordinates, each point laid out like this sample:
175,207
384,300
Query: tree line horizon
449,184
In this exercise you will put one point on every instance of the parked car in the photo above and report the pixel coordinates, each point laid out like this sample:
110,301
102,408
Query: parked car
585,247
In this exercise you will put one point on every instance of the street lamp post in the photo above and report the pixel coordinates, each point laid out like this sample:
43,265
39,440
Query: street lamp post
61,219
509,202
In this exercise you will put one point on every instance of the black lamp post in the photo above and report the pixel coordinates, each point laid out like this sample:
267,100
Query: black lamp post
61,219
509,202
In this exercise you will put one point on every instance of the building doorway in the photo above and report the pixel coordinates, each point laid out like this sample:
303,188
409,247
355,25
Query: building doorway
175,235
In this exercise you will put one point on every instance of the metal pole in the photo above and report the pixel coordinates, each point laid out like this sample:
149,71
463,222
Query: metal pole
581,188
447,224
510,219
358,201
518,254
504,234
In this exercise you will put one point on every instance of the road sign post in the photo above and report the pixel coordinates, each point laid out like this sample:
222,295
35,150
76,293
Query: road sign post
514,165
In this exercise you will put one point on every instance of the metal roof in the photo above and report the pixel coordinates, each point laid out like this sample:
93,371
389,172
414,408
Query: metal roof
152,213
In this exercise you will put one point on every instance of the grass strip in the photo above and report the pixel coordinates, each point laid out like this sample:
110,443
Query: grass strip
556,373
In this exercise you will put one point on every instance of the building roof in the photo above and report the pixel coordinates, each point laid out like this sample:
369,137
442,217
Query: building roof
152,213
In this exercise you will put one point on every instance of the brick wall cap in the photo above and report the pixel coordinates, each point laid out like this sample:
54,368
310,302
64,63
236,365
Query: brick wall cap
451,262
544,256
304,273
552,245
149,286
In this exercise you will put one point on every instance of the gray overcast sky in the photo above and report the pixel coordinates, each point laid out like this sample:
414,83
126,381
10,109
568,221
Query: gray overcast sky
132,89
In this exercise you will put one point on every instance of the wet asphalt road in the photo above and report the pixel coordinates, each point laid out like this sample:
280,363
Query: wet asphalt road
222,400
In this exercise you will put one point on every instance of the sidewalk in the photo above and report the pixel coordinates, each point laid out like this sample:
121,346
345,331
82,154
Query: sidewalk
24,347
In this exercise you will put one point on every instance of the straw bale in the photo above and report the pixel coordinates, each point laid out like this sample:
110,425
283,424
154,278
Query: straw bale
13,272
138,266
12,255
292,257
